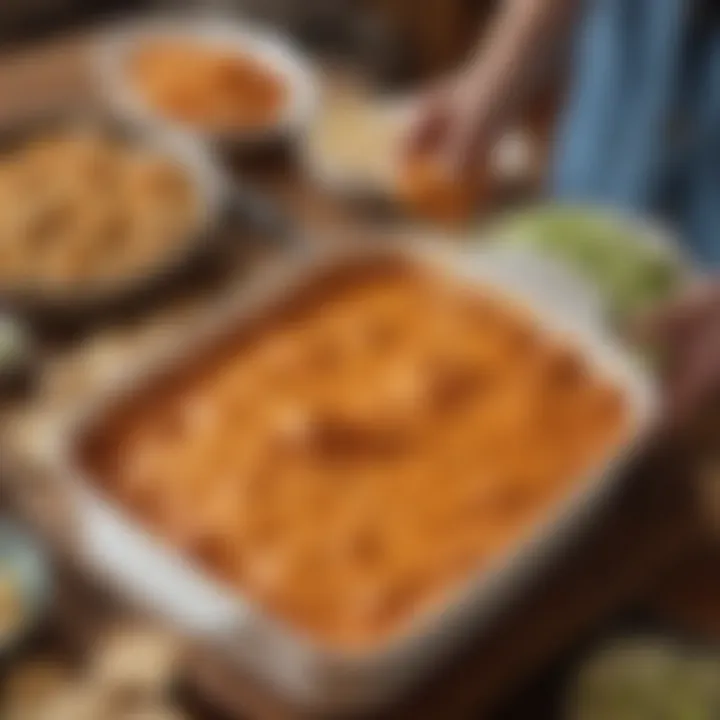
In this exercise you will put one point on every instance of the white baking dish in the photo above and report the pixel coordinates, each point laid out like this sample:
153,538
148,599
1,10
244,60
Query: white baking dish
314,676
114,49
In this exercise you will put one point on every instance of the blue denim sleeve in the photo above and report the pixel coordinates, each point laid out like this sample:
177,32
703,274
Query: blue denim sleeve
610,148
698,183
642,127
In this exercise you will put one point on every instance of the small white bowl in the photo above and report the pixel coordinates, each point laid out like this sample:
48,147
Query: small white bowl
115,48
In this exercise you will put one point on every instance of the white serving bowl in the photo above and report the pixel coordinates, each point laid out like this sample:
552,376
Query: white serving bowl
115,48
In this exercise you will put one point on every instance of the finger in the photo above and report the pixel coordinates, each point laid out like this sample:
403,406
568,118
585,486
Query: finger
461,154
697,376
458,156
685,394
426,133
679,316
426,127
457,153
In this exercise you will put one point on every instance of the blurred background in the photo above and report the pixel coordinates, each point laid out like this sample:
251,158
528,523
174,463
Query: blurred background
635,600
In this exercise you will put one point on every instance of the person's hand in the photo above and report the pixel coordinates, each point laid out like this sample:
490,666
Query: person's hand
688,333
454,125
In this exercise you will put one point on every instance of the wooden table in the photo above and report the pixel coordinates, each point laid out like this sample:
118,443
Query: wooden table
647,530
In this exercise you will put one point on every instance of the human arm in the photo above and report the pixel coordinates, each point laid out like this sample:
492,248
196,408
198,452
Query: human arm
461,118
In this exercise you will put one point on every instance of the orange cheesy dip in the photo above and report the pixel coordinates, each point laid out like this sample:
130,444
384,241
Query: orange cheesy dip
352,457
208,87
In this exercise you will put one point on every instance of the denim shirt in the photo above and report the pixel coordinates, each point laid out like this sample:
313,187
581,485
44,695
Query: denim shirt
642,127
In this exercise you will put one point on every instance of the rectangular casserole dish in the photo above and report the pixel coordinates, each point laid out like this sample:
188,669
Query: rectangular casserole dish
329,680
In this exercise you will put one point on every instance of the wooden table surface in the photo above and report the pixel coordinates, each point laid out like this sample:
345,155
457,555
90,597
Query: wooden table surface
651,527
